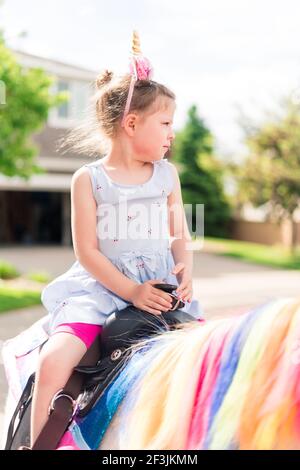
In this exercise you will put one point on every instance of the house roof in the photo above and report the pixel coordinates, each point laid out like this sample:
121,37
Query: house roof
56,67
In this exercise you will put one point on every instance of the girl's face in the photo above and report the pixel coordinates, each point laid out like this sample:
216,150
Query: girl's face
154,134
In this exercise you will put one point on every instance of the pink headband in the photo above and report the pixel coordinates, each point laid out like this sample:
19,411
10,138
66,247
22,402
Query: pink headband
140,69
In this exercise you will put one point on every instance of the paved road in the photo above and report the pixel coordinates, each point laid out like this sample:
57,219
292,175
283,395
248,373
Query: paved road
224,286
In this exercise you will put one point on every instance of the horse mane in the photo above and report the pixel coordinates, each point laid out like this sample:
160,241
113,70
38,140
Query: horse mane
225,384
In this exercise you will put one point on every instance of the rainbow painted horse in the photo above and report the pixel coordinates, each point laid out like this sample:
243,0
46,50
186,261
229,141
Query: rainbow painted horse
229,383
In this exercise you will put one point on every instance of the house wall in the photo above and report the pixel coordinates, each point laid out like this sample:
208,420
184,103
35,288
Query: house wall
266,233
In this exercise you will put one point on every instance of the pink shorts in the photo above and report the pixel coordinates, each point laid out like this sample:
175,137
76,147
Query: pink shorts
85,331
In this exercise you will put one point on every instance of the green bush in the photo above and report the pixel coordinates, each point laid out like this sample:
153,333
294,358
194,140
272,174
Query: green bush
8,271
39,276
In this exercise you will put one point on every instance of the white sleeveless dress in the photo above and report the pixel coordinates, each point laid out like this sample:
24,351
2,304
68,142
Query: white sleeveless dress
133,233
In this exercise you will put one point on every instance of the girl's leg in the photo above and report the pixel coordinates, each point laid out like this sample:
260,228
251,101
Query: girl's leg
58,357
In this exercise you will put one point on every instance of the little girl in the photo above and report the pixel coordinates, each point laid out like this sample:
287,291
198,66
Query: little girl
121,250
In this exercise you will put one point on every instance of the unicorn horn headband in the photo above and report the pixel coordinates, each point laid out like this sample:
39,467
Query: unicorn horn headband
140,69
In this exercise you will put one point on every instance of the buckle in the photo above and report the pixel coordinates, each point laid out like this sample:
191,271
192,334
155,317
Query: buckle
116,354
58,395
177,303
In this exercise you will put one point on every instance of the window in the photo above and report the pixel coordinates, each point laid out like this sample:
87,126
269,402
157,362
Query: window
63,111
68,113
79,99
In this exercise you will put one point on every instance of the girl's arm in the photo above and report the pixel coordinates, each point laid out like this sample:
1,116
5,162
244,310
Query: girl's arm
83,211
179,232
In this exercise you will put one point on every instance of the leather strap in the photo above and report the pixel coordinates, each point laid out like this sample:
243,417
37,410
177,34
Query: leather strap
24,397
63,403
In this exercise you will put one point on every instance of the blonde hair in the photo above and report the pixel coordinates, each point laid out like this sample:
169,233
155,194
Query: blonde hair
105,111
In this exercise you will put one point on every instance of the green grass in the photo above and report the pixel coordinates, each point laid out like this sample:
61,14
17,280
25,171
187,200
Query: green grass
39,276
275,256
11,299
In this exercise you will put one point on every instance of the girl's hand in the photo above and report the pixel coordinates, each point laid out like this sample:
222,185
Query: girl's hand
146,297
184,277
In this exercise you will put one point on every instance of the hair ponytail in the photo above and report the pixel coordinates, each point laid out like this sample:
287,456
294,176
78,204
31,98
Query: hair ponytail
103,79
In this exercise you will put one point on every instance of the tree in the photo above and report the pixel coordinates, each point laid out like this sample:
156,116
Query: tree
271,171
24,111
1,30
201,174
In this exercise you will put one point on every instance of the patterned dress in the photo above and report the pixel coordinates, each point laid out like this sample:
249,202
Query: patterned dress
133,233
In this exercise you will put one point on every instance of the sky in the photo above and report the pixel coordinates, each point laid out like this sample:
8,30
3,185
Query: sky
225,56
